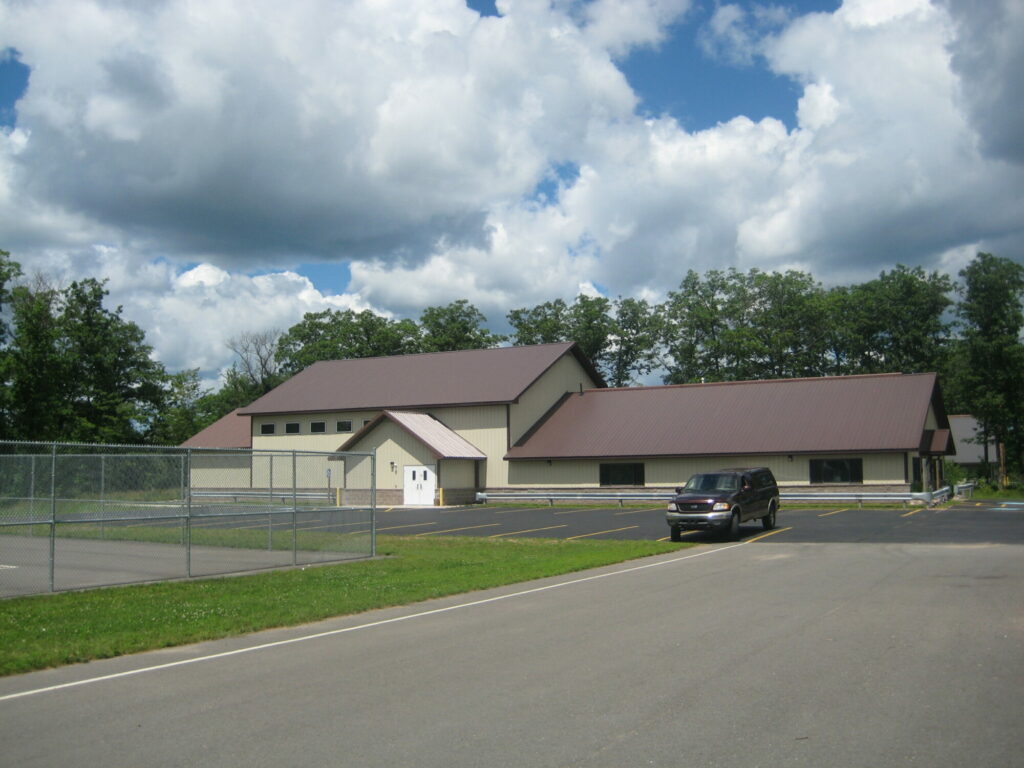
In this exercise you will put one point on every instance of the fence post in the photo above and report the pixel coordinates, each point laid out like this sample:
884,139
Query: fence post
373,503
295,510
188,513
53,513
32,492
270,492
103,496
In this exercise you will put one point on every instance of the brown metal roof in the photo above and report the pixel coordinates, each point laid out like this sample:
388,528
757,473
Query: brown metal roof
938,442
442,442
231,431
885,412
468,377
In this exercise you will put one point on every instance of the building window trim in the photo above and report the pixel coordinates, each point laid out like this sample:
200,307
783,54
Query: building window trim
317,427
292,428
836,470
344,426
622,474
268,429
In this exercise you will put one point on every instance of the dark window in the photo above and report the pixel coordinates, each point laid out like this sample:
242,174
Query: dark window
318,426
291,428
837,470
622,474
266,429
344,426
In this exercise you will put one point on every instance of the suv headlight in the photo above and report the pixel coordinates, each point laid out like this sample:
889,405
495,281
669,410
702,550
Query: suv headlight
721,506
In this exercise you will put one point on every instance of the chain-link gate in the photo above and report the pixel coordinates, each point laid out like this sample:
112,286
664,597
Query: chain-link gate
77,516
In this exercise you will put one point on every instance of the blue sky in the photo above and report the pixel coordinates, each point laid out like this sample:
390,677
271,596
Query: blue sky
230,167
674,77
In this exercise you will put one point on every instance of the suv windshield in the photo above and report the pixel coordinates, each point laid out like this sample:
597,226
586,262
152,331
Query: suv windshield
713,482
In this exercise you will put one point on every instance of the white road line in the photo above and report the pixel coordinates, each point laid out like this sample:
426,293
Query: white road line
8,567
369,625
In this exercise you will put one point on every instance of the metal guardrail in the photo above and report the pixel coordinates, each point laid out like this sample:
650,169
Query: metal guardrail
283,496
926,497
966,490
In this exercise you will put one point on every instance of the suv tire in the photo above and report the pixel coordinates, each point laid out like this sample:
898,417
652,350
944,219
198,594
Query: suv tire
733,531
676,533
768,521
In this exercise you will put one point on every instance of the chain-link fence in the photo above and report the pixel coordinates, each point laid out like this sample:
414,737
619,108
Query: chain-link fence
76,516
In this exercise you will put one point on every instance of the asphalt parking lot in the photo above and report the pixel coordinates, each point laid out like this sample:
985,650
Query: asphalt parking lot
894,641
975,521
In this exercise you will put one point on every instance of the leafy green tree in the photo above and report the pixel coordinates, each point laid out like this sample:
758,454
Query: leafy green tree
9,270
633,350
695,323
182,413
990,377
458,325
591,326
77,371
894,323
588,321
342,335
730,326
786,316
545,323
35,371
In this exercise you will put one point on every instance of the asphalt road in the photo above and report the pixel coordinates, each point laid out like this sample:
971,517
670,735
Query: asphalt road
863,649
975,521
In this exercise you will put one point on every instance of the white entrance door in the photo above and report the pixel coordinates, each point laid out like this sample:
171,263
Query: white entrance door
420,484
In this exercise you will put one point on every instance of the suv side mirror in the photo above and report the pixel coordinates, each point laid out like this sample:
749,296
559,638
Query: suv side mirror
679,490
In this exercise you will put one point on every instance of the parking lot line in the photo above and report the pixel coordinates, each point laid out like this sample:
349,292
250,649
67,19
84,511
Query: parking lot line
410,525
836,512
453,530
767,534
912,512
681,533
598,533
581,509
638,511
529,530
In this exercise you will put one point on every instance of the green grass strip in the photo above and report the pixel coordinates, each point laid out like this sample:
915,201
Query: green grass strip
51,630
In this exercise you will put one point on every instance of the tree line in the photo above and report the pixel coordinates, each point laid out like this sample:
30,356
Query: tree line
74,370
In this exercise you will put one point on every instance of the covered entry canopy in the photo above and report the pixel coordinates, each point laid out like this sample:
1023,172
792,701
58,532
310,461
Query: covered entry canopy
442,442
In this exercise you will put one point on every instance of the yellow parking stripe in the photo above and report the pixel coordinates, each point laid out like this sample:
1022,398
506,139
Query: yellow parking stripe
453,530
768,533
598,533
681,533
581,509
834,513
410,525
638,511
529,530
912,512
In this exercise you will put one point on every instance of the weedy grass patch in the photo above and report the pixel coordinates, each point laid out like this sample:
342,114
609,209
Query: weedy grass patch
51,630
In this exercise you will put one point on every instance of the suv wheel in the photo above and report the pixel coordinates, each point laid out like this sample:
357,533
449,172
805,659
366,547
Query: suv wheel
733,531
675,533
768,521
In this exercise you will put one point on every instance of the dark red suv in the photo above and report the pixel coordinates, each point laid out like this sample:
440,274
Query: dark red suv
724,499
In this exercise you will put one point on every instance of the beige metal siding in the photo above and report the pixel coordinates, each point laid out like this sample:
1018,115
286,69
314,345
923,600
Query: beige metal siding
567,375
457,473
305,440
879,469
485,427
220,470
396,449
